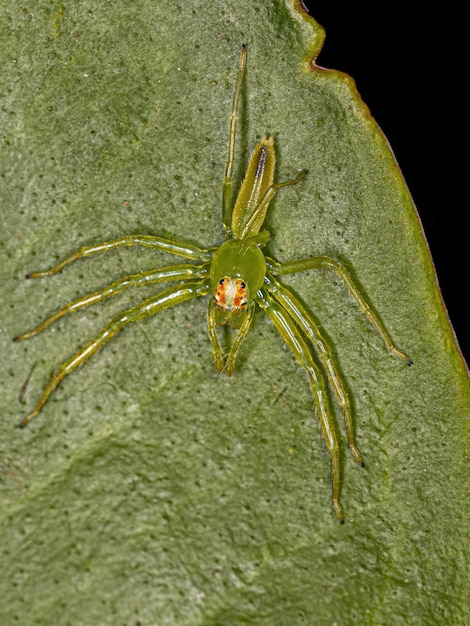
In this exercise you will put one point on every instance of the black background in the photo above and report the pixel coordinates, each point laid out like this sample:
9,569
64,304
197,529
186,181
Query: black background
404,64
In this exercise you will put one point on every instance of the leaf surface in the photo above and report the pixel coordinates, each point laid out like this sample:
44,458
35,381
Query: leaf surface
151,490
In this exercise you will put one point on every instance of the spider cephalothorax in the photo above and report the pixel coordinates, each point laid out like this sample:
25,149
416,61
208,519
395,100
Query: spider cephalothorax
238,277
238,269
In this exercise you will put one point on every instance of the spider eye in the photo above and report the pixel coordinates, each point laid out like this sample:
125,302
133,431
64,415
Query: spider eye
242,285
221,281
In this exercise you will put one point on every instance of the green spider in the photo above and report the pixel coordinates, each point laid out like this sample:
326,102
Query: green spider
238,276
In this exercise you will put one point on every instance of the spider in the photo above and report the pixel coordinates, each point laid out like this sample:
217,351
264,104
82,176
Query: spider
238,277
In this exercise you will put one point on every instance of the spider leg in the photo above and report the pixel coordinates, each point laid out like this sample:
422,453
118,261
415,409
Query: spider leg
293,338
172,296
232,136
222,363
219,358
185,250
306,322
240,336
324,262
165,274
266,199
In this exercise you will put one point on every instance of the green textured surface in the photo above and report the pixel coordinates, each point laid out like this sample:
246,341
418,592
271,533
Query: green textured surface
151,490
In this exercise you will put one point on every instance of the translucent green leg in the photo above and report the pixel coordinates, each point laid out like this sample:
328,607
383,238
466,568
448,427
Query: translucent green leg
292,305
293,338
185,250
219,357
232,137
170,297
266,199
166,274
222,363
324,262
237,342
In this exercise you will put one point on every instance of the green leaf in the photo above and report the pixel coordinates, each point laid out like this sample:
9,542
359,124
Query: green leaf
151,490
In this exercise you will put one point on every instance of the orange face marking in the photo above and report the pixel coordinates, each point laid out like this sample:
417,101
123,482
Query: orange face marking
231,294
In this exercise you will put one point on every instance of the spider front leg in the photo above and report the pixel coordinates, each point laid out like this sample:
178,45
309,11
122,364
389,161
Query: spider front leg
185,250
292,305
152,306
166,274
227,363
324,262
293,338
